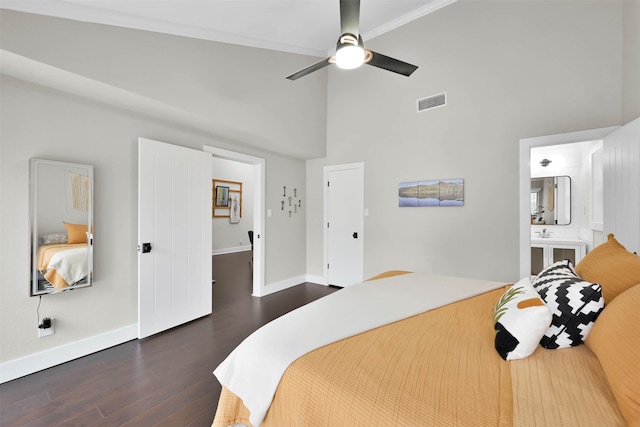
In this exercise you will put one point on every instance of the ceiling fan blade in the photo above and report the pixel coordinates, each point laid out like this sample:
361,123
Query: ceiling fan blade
350,17
310,69
390,64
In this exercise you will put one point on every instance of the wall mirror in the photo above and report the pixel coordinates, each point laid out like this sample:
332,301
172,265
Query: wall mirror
61,226
551,200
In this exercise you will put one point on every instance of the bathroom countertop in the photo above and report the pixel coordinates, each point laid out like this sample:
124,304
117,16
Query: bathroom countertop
558,240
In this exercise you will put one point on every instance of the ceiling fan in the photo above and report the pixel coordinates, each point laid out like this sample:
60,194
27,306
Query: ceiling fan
350,51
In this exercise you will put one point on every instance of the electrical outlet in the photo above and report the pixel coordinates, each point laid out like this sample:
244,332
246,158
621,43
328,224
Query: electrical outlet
45,332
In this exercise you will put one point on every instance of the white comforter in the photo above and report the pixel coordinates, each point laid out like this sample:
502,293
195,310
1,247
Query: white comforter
254,369
71,264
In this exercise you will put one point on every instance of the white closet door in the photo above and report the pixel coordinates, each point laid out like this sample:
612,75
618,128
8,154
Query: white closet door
344,210
174,219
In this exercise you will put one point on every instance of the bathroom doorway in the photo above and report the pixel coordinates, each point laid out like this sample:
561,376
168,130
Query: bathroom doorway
526,146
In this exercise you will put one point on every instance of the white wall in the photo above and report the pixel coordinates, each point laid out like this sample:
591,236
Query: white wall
240,92
511,70
228,237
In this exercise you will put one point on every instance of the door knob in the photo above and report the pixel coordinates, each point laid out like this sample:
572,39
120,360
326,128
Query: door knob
355,235
146,247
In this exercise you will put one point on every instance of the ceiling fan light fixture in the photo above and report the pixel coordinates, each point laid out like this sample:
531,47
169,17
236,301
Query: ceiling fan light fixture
350,57
350,52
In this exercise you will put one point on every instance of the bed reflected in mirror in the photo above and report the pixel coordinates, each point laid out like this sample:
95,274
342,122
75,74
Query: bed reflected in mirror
61,226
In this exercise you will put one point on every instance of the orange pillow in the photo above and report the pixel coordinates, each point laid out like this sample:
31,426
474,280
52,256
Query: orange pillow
615,340
77,233
612,267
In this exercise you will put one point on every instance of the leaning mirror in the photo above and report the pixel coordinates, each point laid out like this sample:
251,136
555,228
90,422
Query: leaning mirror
551,200
61,223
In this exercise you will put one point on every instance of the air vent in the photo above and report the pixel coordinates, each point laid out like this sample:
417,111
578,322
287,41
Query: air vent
431,102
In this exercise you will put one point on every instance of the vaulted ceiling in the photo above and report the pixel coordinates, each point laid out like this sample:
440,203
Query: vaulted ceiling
309,27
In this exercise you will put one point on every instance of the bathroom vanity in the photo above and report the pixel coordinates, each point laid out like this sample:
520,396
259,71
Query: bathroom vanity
546,251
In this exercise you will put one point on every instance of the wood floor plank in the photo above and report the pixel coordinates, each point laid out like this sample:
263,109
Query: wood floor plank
143,403
91,417
191,413
60,410
142,396
169,406
48,378
162,380
11,414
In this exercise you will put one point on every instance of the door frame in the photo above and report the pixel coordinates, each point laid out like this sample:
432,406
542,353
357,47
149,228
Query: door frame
526,145
325,195
258,164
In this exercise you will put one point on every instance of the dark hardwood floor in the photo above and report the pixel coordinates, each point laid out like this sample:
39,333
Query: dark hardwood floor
164,380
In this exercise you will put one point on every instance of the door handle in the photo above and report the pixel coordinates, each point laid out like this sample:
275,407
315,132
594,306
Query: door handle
146,247
355,235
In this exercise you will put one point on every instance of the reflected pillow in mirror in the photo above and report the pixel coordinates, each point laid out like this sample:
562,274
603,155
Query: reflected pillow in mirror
77,233
54,239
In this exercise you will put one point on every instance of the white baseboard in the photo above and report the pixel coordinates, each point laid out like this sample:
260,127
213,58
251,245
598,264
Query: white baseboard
231,250
23,366
318,280
289,283
281,285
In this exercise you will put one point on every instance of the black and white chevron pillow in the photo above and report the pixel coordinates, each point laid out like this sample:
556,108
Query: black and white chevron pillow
574,303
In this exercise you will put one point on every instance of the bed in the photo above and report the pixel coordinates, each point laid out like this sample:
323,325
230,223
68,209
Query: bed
63,265
452,365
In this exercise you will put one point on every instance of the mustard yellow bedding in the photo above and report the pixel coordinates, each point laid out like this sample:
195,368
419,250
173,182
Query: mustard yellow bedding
438,368
45,254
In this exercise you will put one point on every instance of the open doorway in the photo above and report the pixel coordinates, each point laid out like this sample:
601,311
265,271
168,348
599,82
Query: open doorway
526,147
257,172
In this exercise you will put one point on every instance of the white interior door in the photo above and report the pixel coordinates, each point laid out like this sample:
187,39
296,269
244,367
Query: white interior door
344,212
174,236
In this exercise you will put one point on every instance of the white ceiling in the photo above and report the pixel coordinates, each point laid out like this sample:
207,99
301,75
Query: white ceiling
309,27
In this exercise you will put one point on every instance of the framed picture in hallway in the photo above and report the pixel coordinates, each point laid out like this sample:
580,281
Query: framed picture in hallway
222,196
225,193
235,206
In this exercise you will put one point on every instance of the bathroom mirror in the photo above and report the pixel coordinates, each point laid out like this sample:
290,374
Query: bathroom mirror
551,200
61,226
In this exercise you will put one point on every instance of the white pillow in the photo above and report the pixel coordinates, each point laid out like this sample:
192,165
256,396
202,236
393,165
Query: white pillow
520,319
54,239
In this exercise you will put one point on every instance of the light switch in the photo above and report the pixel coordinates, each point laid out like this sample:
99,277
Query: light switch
269,213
